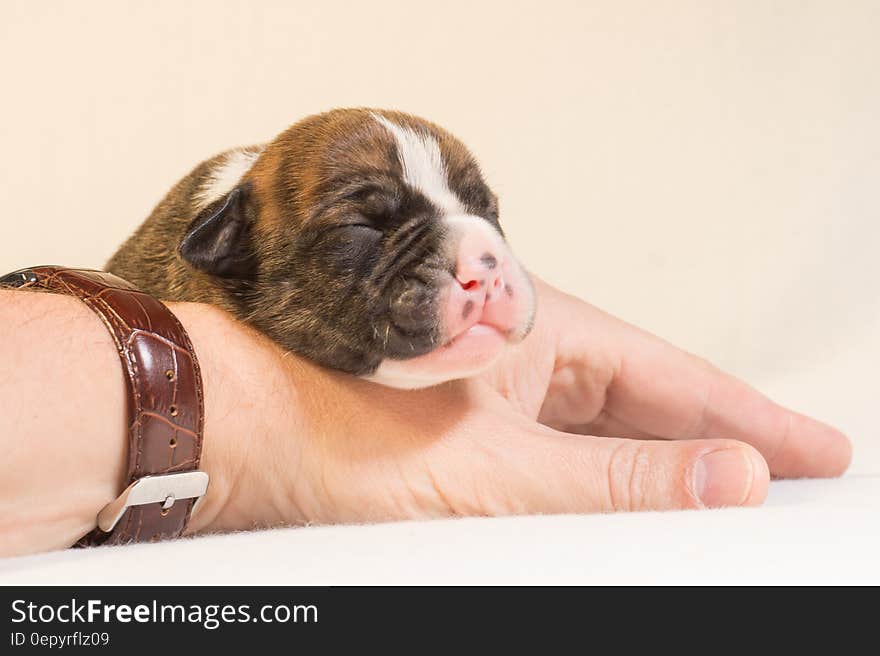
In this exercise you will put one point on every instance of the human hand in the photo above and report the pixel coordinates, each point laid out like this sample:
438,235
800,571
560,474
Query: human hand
588,414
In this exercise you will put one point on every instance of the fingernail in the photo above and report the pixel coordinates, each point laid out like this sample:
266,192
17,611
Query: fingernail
723,478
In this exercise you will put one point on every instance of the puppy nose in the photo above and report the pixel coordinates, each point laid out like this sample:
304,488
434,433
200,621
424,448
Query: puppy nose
479,271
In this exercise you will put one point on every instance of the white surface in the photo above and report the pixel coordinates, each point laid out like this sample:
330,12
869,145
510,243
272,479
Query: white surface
820,532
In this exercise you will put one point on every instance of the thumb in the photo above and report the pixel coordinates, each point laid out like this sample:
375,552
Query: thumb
561,473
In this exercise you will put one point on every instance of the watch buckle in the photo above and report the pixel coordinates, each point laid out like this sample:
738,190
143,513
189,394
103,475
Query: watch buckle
164,489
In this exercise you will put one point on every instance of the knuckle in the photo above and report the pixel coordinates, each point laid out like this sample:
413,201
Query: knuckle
629,476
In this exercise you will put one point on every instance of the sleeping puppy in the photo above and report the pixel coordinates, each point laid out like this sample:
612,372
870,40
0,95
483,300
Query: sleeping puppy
365,240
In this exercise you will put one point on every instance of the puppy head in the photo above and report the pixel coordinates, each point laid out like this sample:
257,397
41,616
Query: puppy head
367,241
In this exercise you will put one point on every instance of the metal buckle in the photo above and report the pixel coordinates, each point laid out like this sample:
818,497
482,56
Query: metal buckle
162,488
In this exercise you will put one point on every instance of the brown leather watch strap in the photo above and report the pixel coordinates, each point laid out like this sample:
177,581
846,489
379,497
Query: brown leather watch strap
165,398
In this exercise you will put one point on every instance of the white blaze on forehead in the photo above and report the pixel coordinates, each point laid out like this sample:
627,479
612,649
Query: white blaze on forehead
226,174
459,224
423,167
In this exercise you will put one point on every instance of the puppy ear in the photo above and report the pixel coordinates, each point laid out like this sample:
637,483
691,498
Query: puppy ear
218,241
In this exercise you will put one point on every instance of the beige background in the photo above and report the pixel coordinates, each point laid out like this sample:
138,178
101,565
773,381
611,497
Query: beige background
706,169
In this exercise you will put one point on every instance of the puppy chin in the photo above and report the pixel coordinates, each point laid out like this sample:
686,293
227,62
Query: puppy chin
484,322
468,354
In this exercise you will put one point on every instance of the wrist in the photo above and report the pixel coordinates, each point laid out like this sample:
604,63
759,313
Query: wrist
253,424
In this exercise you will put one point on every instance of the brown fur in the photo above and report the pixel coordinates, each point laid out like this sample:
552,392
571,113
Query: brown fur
346,296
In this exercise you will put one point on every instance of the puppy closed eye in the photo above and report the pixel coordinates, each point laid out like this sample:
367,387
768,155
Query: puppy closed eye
349,247
346,239
349,240
356,228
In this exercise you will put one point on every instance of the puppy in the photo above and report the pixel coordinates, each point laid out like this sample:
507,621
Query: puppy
365,240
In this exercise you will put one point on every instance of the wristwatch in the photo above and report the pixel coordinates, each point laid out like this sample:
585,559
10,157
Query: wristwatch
165,404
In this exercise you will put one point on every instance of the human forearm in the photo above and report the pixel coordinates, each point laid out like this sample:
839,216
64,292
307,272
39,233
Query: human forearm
62,424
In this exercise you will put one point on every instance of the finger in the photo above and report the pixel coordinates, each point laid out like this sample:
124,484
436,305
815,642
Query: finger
605,425
664,391
809,458
653,387
562,473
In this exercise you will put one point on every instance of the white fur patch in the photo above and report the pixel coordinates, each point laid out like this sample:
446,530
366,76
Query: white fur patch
226,175
423,167
396,373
